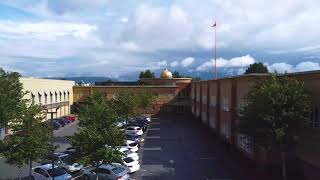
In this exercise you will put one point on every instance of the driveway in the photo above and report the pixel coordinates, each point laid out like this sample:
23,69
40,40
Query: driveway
181,148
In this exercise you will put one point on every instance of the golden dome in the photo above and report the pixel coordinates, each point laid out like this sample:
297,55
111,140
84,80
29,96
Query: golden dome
166,74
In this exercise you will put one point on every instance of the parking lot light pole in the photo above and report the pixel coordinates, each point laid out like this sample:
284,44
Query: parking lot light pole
52,138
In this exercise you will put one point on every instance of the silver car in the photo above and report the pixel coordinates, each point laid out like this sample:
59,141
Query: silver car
45,172
66,162
112,171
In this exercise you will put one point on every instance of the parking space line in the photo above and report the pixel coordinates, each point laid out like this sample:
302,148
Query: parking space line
205,158
152,149
155,123
153,129
152,137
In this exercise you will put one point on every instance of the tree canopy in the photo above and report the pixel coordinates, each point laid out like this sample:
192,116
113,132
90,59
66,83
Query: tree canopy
146,74
257,68
176,74
30,139
11,94
97,122
274,112
128,103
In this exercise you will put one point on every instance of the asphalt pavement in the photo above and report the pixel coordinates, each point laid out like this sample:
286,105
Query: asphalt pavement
181,148
175,148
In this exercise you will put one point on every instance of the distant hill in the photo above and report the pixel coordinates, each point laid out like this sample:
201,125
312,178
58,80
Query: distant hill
84,78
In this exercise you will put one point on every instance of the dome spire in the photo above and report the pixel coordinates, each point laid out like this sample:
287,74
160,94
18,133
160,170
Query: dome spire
166,74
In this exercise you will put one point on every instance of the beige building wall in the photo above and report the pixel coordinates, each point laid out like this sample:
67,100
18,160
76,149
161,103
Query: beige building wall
50,94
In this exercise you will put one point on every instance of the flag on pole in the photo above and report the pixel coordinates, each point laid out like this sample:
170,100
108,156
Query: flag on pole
215,24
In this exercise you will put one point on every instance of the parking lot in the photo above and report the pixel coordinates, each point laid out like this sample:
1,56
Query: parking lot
175,148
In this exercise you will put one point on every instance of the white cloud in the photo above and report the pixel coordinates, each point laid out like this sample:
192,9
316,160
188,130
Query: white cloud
285,67
156,65
307,66
130,46
281,67
187,62
45,30
124,19
236,62
174,64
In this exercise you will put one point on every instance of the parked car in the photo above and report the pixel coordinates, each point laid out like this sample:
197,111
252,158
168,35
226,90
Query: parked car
133,139
56,125
67,162
70,118
142,125
136,138
147,119
113,171
132,165
61,121
121,123
45,172
134,130
129,153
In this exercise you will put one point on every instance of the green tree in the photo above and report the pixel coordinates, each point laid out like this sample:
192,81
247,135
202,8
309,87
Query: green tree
30,139
126,104
11,94
257,68
176,74
97,122
274,112
146,74
144,99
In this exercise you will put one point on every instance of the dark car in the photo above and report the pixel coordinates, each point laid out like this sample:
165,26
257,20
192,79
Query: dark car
62,121
56,125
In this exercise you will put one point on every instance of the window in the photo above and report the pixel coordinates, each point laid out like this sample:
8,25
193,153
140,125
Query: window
60,94
41,171
64,96
51,97
314,117
68,95
32,98
204,99
225,129
213,101
39,97
225,104
245,143
45,98
55,97
212,121
156,95
197,97
103,171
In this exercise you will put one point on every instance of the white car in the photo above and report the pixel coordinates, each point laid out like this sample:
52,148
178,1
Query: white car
134,130
132,147
129,153
45,172
131,164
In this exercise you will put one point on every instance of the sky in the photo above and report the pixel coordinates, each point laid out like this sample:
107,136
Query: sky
118,39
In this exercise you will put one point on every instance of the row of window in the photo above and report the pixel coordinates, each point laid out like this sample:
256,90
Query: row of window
43,99
314,117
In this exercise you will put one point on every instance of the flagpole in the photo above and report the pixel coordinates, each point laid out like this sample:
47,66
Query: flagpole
215,50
